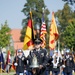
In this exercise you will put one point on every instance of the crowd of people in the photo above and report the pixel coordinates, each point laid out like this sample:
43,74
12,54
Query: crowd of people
40,62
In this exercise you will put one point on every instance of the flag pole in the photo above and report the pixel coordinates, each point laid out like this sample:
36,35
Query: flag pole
30,14
58,45
59,49
32,21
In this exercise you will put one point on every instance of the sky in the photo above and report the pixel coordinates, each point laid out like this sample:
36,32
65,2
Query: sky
10,10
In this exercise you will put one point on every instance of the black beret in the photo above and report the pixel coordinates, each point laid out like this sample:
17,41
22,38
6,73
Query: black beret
37,41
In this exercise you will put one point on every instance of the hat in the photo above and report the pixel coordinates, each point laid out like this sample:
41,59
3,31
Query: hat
19,51
37,41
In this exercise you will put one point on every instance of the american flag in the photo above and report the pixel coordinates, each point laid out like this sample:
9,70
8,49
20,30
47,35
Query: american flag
43,32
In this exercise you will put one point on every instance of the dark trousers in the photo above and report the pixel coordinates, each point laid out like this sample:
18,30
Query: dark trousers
55,72
69,73
47,72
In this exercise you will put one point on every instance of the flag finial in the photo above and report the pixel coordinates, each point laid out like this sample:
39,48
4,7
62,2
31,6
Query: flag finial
30,14
53,12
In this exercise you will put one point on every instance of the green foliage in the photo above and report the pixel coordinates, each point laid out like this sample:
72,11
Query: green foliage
4,35
69,35
71,2
66,18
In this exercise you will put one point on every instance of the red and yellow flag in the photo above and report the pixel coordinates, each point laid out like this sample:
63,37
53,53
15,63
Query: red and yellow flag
53,33
28,42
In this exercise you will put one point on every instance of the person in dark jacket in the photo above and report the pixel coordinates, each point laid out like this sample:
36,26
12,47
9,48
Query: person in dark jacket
49,65
40,55
68,63
56,63
74,62
20,62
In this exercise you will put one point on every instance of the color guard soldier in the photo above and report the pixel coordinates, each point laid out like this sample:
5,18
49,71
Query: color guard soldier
68,63
56,63
20,62
40,54
49,66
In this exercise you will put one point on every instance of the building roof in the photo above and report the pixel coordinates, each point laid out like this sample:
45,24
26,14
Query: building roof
16,33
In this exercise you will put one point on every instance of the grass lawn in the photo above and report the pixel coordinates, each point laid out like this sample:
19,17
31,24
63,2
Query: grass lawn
11,73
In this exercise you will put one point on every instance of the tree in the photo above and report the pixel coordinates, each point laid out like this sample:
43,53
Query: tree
65,17
4,35
69,1
36,8
69,35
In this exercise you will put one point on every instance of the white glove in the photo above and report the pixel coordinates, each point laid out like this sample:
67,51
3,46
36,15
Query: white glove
25,71
63,66
15,64
72,71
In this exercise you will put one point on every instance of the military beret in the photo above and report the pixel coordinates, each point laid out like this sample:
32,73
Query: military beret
37,41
